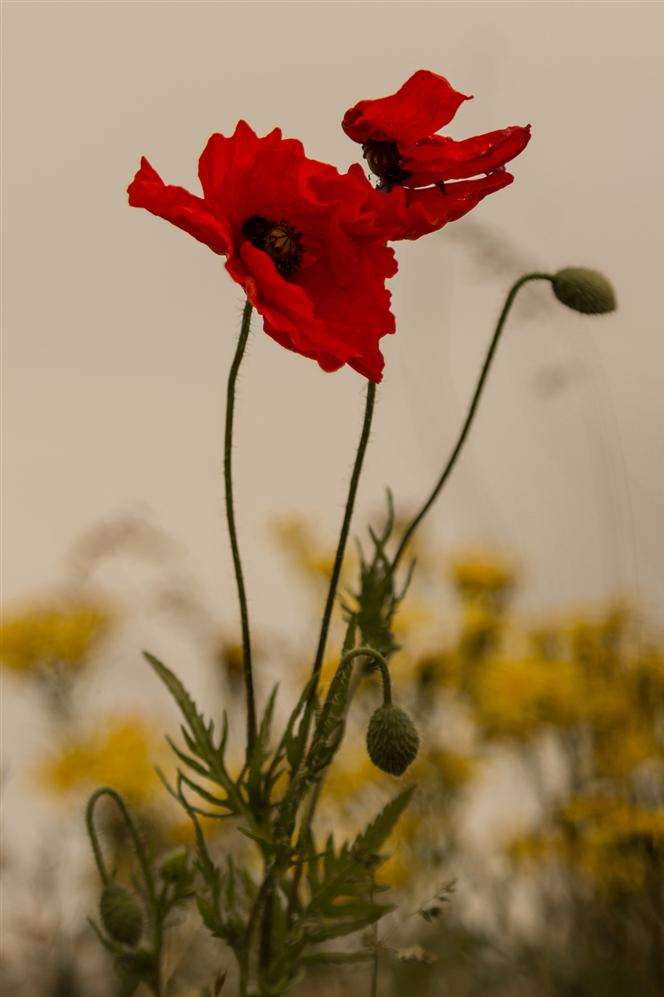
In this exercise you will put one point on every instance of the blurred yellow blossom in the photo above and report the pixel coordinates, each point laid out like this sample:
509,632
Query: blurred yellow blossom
479,574
121,754
230,656
298,540
481,627
454,769
352,772
613,843
619,751
515,696
411,618
56,635
435,668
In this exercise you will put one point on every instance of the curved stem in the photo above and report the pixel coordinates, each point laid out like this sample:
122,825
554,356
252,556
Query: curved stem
133,833
370,652
156,911
230,517
465,429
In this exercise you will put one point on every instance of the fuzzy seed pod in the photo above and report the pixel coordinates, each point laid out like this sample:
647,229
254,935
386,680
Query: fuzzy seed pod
392,740
584,290
121,914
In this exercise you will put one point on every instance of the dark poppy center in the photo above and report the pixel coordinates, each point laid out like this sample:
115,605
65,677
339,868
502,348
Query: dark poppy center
384,161
281,241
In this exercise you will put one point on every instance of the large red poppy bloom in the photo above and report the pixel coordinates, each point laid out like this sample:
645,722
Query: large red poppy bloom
304,241
414,165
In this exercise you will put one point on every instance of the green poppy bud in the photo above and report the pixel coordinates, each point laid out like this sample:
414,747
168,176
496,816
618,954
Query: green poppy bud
584,290
121,914
175,867
392,740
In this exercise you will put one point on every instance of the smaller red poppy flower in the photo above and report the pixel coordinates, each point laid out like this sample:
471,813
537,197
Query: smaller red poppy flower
304,241
397,134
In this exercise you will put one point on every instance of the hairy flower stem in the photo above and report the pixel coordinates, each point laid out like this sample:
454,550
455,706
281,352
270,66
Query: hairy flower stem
230,517
329,606
338,559
472,409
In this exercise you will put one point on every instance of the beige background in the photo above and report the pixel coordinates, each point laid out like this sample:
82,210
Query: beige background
118,329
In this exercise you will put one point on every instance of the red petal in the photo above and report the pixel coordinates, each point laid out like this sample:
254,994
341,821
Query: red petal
178,206
439,158
410,214
226,157
317,318
424,104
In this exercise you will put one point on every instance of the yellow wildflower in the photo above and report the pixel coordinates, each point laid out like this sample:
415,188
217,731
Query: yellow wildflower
121,756
514,697
619,750
411,618
428,670
297,538
397,870
481,626
480,574
351,773
454,769
230,656
615,844
56,635
619,843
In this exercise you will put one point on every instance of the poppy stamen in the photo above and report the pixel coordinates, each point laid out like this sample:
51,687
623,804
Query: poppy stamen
281,241
384,161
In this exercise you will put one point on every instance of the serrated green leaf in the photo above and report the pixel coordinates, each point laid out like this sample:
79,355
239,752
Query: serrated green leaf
209,916
340,929
186,759
205,794
376,833
180,695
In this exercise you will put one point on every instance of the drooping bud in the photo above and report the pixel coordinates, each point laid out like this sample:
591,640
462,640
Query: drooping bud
121,914
175,867
392,740
584,290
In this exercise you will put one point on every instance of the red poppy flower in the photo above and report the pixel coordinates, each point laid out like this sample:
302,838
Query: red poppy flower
304,241
401,148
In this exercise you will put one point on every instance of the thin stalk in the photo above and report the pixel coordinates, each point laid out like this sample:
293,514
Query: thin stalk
345,528
230,517
374,962
472,409
306,822
339,557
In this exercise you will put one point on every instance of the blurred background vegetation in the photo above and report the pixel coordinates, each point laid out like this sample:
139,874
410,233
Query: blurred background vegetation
531,859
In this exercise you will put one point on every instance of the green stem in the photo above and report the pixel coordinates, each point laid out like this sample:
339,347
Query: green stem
370,652
156,913
472,409
141,854
339,557
374,962
306,822
230,517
